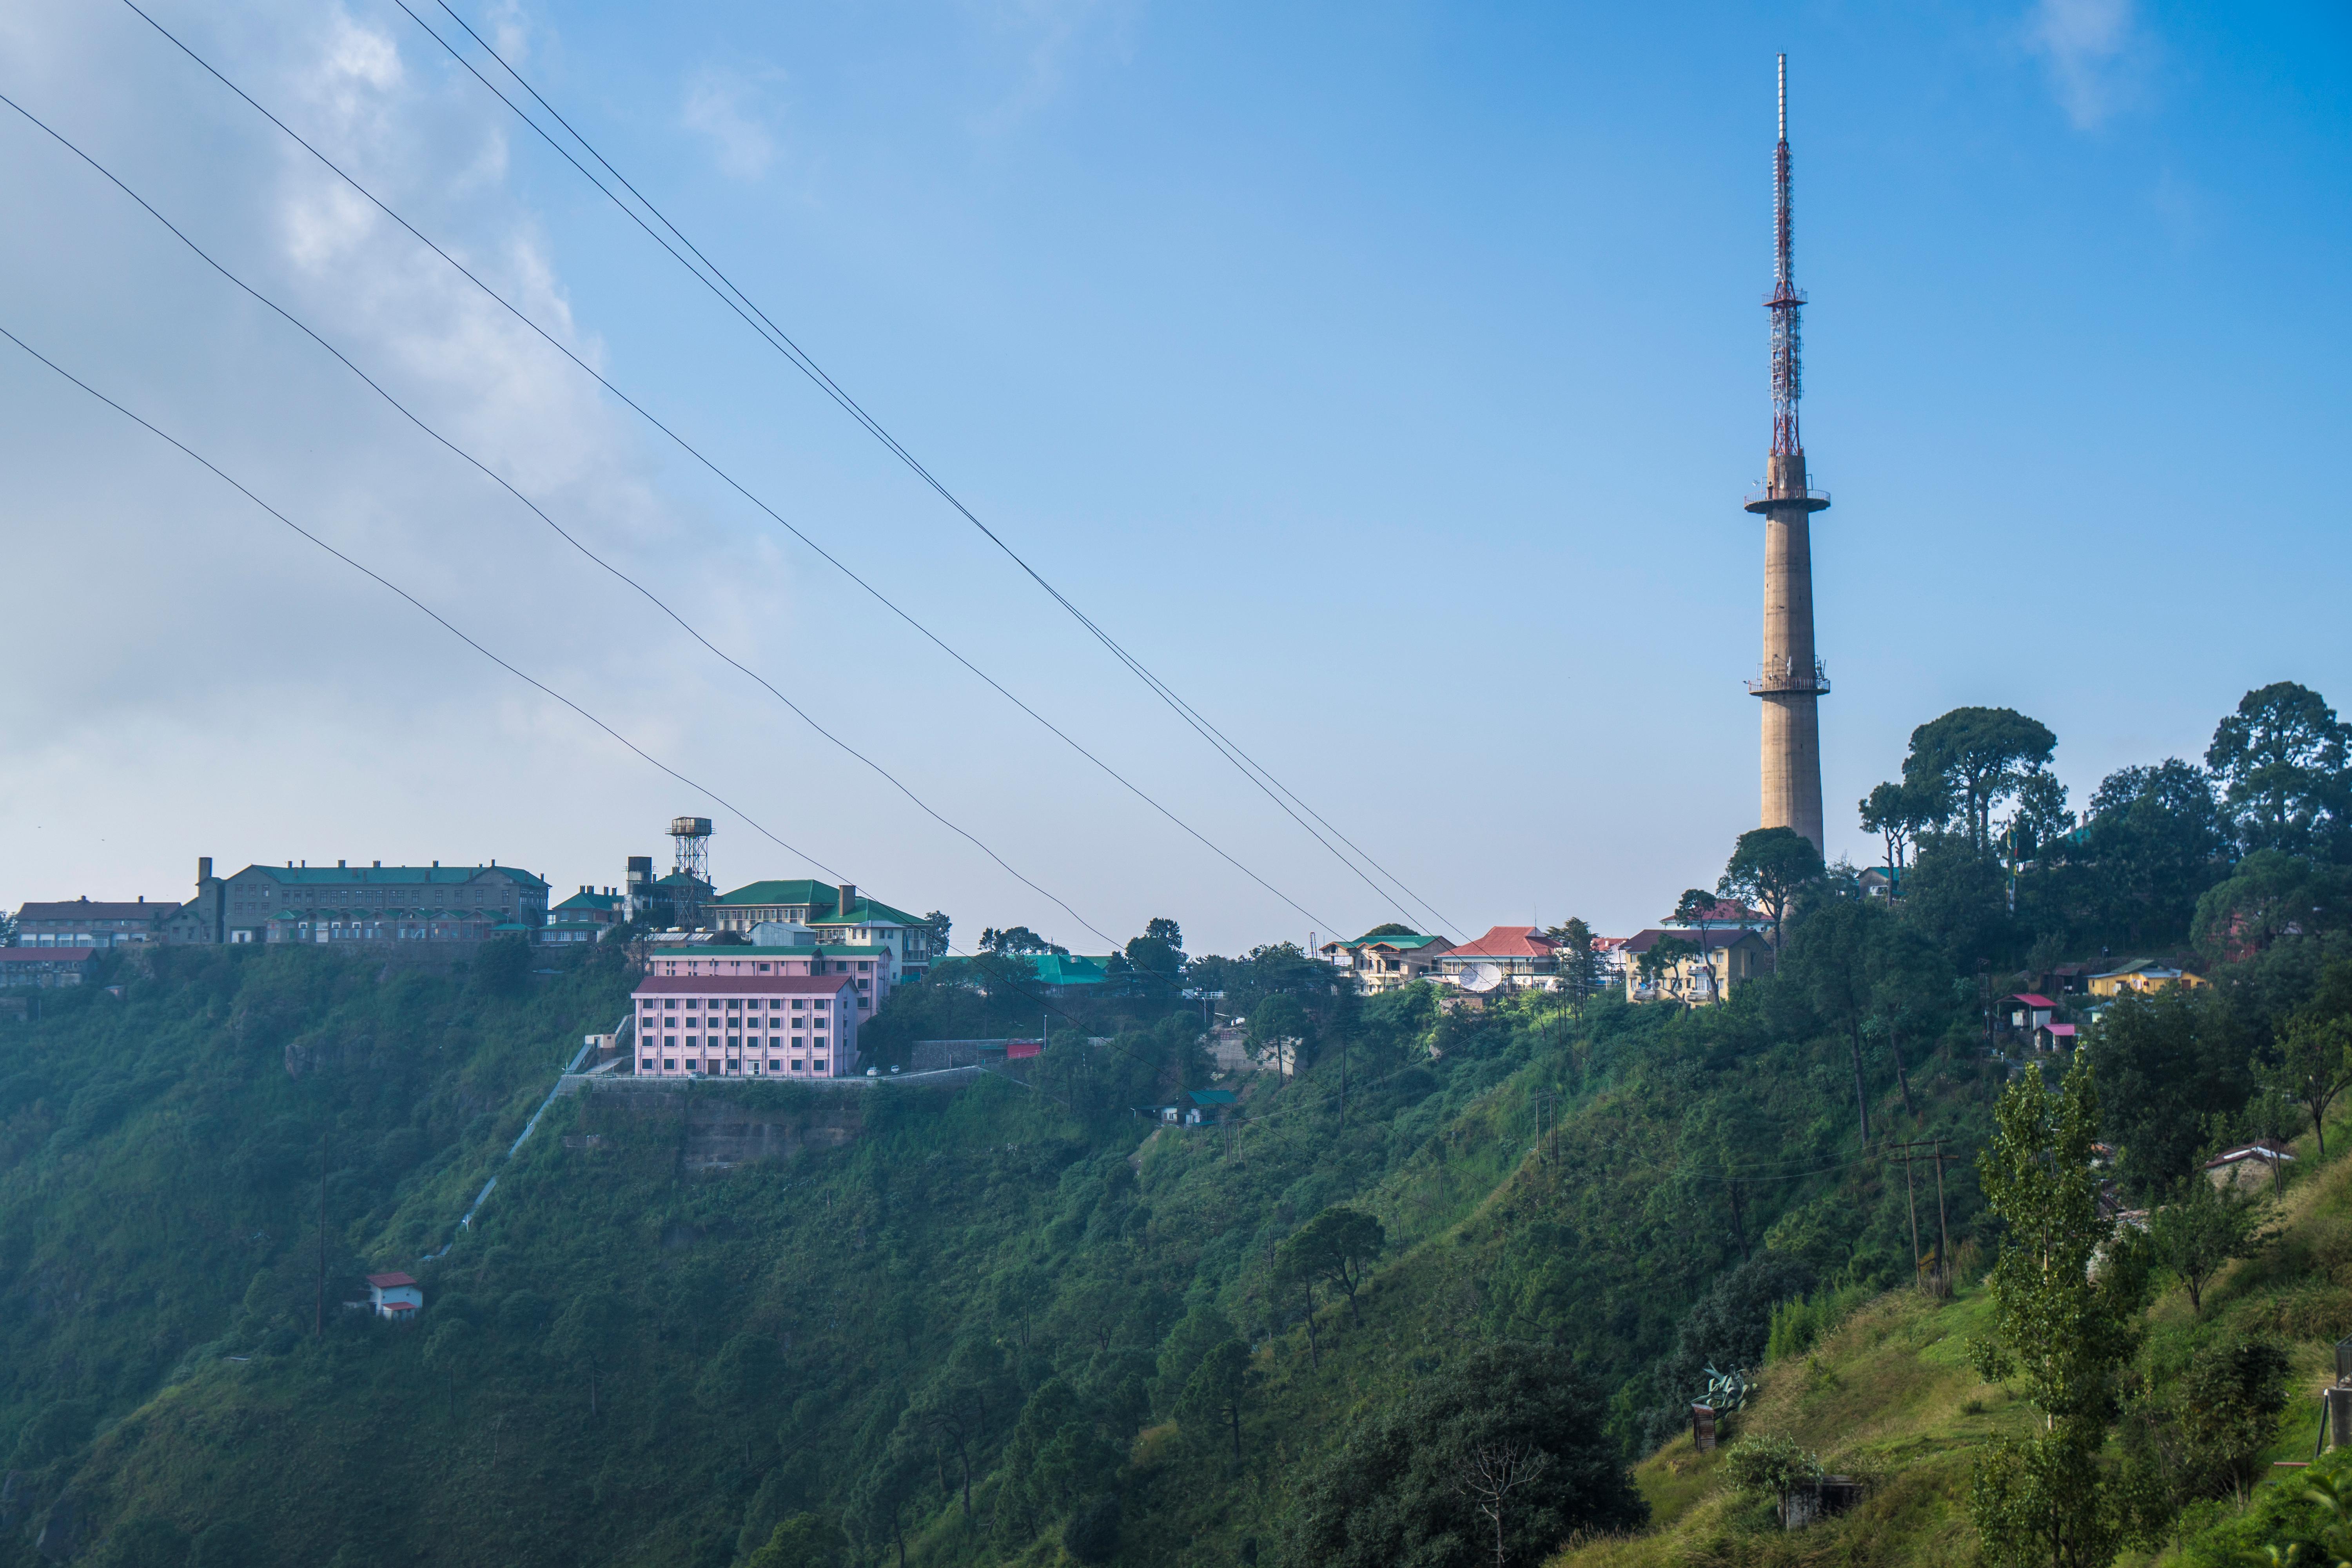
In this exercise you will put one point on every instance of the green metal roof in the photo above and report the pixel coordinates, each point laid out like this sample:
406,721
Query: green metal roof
1395,942
1068,968
593,902
801,892
382,876
823,900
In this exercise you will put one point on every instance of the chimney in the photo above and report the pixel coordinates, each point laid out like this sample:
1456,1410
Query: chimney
379,865
203,868
848,893
341,867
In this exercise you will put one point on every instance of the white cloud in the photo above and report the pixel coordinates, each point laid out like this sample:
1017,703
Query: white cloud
259,697
508,33
355,71
1049,35
722,106
2090,48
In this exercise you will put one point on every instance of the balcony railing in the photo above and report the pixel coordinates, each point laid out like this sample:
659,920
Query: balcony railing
1762,499
1788,681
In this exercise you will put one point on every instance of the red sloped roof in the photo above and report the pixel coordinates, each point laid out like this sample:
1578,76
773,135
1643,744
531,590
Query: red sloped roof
389,1281
2032,999
1509,941
45,955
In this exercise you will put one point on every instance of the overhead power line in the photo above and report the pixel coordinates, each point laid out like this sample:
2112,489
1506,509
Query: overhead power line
709,275
565,534
439,619
721,474
442,620
454,630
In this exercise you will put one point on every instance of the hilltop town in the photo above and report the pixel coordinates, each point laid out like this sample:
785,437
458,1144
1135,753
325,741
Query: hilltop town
1271,482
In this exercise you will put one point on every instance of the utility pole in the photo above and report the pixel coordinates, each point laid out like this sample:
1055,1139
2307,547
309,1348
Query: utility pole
1943,1230
1984,998
2009,839
1911,1202
318,1329
1343,1083
1926,1149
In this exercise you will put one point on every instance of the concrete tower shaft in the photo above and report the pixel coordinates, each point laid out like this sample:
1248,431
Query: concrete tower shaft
1790,681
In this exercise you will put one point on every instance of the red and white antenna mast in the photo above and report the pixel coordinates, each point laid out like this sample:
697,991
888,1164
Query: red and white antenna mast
1787,299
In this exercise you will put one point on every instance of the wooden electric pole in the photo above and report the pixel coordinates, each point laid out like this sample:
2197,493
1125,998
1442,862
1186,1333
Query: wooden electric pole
318,1329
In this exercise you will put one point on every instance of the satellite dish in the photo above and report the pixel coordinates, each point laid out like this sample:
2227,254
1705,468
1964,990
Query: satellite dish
1482,977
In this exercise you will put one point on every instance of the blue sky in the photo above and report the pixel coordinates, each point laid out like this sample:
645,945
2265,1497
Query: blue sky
1385,377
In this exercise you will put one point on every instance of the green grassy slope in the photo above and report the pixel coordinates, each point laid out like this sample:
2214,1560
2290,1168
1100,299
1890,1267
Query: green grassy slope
1890,1397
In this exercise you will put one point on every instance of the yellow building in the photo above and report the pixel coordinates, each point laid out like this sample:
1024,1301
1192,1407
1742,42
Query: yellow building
2142,974
1720,960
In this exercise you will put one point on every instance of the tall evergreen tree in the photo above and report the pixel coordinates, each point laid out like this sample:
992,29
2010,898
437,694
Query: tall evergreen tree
2067,1292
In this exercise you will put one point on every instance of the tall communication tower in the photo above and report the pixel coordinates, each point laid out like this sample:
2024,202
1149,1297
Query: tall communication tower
692,835
1791,680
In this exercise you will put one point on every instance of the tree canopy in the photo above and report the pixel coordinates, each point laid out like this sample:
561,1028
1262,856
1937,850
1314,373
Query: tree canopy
1974,759
1769,868
2065,1323
1899,813
2282,760
1395,1492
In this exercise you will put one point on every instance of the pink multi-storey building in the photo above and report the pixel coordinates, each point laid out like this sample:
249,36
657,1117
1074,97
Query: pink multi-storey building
752,1025
867,967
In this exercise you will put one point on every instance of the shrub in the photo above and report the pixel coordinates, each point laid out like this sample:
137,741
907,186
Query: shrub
53,1434
1769,1465
2314,1312
1801,1323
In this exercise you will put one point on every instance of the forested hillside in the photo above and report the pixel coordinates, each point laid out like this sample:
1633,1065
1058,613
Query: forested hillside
1008,1288
1014,1321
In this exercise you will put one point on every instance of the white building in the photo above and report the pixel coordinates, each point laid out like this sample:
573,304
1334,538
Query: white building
840,917
394,1296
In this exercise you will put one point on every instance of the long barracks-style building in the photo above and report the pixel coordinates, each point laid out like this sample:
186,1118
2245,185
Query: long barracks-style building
301,902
